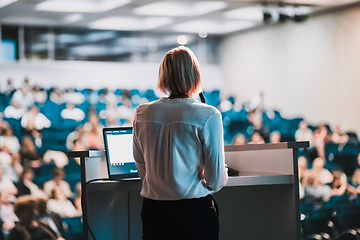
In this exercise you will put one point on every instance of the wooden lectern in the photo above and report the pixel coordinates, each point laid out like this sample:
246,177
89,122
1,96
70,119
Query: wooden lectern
261,203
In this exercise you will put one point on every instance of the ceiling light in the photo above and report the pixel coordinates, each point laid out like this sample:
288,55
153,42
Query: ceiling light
182,40
4,3
79,5
213,26
73,18
153,47
254,13
179,9
130,23
203,34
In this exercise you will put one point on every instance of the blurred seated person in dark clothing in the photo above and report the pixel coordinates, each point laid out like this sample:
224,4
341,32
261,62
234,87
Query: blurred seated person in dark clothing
29,155
29,228
26,186
53,220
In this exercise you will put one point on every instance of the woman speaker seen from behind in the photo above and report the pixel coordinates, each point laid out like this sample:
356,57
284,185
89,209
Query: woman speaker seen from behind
179,152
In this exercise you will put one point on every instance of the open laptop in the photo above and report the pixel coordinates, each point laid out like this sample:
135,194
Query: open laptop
118,143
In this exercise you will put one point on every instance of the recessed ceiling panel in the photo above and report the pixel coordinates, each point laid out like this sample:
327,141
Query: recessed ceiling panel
130,23
79,5
180,9
214,26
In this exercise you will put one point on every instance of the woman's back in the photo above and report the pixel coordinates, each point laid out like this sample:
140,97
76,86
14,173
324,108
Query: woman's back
174,138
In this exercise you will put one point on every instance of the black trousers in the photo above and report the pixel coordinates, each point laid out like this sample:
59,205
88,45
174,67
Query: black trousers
186,219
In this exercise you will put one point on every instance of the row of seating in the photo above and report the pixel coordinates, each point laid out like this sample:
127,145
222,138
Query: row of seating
335,217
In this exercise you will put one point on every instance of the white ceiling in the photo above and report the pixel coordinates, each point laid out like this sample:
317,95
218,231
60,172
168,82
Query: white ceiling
206,16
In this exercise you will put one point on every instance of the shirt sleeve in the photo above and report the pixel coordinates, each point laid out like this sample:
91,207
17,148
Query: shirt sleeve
214,156
138,153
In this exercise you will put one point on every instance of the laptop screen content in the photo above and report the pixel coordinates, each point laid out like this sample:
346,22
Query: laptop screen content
119,152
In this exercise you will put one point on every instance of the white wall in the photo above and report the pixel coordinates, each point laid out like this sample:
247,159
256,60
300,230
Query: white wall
308,69
96,74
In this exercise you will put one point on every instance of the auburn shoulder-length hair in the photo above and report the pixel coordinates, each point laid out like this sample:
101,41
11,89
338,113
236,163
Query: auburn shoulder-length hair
179,72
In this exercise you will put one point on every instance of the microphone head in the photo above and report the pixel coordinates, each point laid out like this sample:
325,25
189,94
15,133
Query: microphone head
202,98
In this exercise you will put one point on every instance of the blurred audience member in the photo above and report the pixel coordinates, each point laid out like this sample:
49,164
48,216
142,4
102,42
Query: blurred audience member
315,191
322,173
71,112
225,105
5,157
354,187
75,135
14,110
34,120
126,111
26,186
303,171
320,137
304,133
59,158
77,200
275,137
57,96
10,141
29,155
110,122
24,97
6,185
9,88
39,95
92,137
11,164
72,97
338,137
256,138
7,214
61,205
29,228
57,180
52,219
109,96
339,184
239,139
93,97
111,111
3,124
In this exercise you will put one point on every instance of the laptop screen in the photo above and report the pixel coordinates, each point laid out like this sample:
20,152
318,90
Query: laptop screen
119,152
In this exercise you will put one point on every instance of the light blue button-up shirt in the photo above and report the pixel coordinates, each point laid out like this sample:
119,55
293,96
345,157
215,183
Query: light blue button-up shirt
175,140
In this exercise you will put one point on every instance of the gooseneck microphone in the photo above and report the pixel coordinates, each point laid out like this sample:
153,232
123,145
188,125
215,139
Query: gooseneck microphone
202,98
